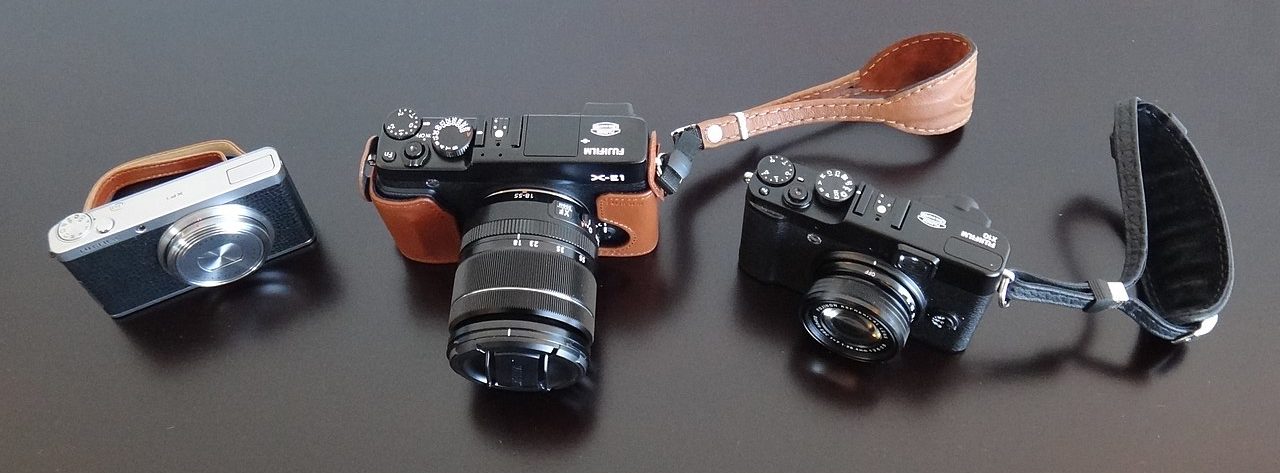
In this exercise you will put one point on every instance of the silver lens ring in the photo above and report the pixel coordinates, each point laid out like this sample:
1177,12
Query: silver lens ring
216,245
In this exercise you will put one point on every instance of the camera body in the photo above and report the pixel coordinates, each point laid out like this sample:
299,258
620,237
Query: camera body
207,228
852,247
603,159
525,205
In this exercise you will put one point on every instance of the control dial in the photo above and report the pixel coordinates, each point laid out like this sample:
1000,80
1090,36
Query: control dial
834,186
775,170
402,124
74,226
451,137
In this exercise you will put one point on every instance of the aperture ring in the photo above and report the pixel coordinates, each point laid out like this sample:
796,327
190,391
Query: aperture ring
563,231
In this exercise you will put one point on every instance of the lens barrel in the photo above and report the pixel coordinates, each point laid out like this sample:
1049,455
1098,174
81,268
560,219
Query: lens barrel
861,308
524,296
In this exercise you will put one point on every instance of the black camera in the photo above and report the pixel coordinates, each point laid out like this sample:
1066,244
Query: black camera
524,205
874,268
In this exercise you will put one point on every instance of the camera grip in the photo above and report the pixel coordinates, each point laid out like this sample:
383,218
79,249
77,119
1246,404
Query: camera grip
635,213
423,231
165,163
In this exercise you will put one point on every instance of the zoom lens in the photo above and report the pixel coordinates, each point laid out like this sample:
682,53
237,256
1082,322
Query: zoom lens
524,297
861,308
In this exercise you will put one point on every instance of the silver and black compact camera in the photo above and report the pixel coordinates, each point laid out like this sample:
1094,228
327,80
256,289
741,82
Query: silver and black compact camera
206,228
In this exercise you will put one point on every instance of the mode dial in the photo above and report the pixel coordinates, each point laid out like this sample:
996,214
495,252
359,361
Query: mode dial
402,124
451,137
775,170
834,186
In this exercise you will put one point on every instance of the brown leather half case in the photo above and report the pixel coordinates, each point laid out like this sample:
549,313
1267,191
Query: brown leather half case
165,163
423,231
635,213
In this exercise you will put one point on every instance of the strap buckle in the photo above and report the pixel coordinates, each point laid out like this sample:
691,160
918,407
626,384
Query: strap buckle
1002,287
1202,328
674,167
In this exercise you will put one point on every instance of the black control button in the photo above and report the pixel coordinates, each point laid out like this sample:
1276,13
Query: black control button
834,187
451,137
402,124
898,214
775,170
414,150
388,156
797,196
864,200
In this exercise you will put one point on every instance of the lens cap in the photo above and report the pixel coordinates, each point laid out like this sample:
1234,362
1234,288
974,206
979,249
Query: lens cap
518,356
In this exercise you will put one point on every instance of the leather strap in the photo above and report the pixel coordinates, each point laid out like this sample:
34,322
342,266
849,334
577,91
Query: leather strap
922,85
1178,266
162,164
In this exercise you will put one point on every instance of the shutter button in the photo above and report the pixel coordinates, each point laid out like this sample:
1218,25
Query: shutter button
797,196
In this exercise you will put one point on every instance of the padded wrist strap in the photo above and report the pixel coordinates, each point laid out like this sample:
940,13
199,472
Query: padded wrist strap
1177,270
162,164
922,85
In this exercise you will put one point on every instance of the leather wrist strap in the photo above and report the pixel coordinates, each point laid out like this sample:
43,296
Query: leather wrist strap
162,164
1172,214
922,85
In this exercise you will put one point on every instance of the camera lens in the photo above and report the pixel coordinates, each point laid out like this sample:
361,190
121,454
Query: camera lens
524,297
216,245
861,308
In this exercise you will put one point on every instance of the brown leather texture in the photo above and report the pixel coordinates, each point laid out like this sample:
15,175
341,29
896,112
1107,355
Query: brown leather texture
922,85
422,231
165,163
635,213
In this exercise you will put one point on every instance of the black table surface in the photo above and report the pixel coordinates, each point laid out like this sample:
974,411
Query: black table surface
333,359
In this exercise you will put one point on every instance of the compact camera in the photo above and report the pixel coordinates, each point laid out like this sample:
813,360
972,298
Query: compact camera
874,267
207,228
525,205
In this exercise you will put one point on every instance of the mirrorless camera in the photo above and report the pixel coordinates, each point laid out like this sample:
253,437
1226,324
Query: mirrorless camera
207,228
525,205
874,267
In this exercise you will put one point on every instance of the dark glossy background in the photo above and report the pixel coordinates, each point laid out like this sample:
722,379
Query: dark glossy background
333,360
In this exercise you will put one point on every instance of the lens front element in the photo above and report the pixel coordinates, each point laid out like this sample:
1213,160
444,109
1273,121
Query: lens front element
861,308
216,245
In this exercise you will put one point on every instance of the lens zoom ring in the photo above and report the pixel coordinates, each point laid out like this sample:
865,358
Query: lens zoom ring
535,270
563,231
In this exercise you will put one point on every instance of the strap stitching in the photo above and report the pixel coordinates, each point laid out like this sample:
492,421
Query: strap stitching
876,62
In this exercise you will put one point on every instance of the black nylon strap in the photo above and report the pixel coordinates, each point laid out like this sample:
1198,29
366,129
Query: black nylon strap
1171,212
